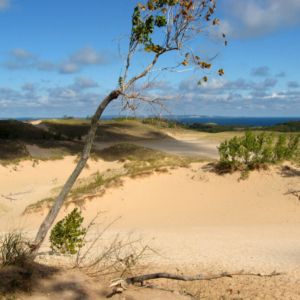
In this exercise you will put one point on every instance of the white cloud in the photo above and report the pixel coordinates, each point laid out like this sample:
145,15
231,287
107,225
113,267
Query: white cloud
21,54
253,18
281,74
269,82
43,100
5,90
214,86
4,4
293,84
28,86
68,67
68,93
84,82
261,71
19,59
89,56
45,65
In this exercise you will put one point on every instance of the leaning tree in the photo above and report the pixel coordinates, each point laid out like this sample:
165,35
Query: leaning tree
176,24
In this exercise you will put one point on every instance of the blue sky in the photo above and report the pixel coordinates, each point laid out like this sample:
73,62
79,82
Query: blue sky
60,57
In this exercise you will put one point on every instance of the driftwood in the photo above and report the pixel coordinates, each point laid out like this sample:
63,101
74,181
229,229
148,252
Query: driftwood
7,196
143,278
292,191
121,285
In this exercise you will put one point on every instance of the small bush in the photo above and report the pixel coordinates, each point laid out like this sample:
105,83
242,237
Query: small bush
245,174
251,150
121,119
65,117
67,234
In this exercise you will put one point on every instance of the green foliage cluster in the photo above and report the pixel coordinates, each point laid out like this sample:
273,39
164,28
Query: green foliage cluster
12,130
214,128
160,122
121,119
142,30
65,117
290,126
89,117
252,149
67,234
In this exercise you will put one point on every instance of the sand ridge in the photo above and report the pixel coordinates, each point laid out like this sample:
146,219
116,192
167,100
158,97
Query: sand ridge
198,219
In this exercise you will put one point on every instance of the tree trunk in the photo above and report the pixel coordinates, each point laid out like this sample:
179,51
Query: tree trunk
70,182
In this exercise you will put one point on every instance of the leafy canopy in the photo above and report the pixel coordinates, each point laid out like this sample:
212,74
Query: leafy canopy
182,17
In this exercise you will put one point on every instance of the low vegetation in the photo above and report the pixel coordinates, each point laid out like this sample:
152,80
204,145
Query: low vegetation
254,151
14,130
290,126
138,160
214,128
13,249
67,234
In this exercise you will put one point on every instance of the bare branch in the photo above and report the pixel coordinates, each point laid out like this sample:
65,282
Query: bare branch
143,278
30,191
143,73
291,191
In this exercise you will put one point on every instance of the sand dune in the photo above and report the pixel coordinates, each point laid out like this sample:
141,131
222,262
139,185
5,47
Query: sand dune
186,205
187,146
198,219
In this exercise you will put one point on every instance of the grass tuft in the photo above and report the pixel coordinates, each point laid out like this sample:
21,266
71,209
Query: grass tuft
13,249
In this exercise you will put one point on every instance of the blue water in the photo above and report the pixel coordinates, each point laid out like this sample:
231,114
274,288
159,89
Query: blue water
247,121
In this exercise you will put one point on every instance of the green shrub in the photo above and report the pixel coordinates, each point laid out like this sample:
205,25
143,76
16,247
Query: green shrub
245,174
159,122
65,117
251,149
67,234
121,119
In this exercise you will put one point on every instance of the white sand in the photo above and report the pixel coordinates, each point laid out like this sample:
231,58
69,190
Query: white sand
200,220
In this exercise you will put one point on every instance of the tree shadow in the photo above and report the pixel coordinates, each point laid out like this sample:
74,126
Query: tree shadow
19,278
48,282
288,172
211,167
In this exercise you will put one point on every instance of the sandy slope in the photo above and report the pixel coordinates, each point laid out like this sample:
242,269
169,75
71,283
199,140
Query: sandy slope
181,146
200,221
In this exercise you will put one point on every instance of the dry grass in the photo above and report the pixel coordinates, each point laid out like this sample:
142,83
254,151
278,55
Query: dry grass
13,248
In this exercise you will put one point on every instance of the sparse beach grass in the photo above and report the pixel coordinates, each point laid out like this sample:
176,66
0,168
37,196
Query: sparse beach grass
138,160
237,218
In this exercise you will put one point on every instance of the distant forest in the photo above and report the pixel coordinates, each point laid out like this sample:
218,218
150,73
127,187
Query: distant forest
291,126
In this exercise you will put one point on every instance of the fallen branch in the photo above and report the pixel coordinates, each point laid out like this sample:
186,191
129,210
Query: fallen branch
292,191
119,283
7,196
143,278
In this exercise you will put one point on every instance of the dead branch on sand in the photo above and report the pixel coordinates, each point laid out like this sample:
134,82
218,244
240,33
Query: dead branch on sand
292,191
7,196
119,284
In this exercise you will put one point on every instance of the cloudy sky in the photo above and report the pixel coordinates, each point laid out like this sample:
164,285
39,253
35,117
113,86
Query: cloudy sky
60,57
